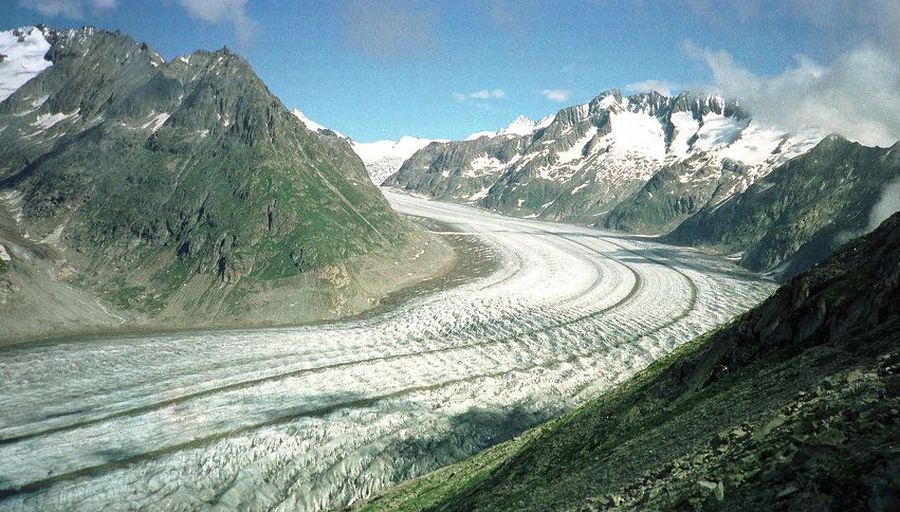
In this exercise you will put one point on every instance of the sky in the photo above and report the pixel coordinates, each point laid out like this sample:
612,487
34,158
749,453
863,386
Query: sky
444,69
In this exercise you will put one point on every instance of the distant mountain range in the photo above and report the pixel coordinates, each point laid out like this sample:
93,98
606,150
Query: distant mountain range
382,158
648,163
177,188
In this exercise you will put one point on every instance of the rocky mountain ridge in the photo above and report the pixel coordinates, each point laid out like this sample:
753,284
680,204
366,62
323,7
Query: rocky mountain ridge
591,158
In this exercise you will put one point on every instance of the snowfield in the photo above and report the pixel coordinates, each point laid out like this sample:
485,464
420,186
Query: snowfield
319,417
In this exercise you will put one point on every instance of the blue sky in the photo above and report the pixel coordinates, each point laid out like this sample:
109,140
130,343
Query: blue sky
382,69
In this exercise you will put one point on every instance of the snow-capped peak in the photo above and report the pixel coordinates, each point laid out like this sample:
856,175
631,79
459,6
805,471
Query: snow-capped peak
403,148
23,50
478,135
314,126
520,126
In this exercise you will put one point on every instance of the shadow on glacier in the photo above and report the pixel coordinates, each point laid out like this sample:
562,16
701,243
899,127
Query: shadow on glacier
464,434
685,261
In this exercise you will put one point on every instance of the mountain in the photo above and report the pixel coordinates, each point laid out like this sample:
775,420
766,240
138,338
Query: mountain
593,163
802,210
792,406
185,189
384,157
520,126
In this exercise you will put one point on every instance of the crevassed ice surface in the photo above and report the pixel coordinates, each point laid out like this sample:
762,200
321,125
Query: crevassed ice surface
318,417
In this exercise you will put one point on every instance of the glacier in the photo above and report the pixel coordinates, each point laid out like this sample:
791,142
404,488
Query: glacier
319,417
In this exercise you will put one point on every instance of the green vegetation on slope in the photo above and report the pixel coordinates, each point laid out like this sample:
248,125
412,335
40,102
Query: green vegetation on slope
186,187
794,405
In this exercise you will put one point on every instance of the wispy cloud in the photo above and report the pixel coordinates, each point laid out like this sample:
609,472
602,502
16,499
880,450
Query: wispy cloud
67,8
557,95
483,94
389,30
663,87
857,95
224,11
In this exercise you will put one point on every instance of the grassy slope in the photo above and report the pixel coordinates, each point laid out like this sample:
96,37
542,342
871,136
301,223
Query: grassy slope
792,406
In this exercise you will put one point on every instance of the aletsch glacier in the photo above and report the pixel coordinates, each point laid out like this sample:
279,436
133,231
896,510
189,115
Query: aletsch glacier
315,418
319,417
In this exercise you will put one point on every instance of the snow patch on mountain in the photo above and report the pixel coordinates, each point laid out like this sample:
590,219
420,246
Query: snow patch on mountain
718,131
23,51
46,121
685,127
309,123
639,134
577,150
157,122
520,127
483,165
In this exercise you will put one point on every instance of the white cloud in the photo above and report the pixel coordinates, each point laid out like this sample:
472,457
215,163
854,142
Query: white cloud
66,8
557,95
218,11
483,94
886,206
661,86
857,95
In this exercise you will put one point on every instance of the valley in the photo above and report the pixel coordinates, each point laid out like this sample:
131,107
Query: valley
318,417
316,268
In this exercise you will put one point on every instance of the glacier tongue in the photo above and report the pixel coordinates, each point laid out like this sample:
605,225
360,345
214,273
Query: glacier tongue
318,417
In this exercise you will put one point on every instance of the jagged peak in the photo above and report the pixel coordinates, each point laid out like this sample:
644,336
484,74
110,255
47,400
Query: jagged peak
521,125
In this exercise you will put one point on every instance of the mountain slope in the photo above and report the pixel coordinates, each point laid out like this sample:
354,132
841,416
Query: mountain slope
792,406
186,188
801,211
592,158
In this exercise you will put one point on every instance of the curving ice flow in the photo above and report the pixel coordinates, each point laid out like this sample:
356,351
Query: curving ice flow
317,417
